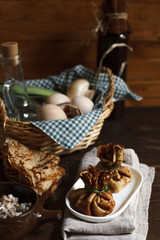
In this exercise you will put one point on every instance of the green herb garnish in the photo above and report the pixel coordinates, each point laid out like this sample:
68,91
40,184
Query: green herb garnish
110,167
95,190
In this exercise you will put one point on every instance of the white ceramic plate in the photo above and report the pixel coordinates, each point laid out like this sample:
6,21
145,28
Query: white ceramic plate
122,199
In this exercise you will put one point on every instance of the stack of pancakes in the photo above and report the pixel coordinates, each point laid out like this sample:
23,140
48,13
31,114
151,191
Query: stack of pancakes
37,169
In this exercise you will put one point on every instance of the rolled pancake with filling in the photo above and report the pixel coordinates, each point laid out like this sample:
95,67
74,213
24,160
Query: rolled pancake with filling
121,177
111,157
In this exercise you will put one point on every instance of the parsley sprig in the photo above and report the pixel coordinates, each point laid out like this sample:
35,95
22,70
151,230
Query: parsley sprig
112,166
95,190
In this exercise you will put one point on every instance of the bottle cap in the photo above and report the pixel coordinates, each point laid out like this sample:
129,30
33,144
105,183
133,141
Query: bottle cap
9,49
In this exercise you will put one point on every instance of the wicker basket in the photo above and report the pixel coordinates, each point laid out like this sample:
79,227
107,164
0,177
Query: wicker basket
32,136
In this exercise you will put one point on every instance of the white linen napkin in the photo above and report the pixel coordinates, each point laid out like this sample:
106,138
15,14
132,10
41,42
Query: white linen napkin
132,224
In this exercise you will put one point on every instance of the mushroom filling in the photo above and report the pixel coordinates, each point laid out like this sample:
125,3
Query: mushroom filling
10,206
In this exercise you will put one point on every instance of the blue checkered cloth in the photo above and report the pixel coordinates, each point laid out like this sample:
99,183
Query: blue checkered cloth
69,132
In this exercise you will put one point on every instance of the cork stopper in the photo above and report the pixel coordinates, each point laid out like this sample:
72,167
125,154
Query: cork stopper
9,49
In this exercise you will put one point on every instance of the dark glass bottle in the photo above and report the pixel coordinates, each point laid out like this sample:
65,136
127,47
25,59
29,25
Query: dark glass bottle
116,30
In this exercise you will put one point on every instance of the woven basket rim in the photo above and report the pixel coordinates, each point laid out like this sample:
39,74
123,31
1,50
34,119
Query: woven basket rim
21,130
106,101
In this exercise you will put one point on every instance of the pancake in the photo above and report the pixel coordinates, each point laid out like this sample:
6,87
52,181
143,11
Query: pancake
111,154
111,158
121,177
38,169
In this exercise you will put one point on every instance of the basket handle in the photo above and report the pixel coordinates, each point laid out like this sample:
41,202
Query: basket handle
108,99
113,46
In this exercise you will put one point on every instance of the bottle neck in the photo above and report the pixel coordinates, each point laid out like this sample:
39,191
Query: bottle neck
14,60
13,68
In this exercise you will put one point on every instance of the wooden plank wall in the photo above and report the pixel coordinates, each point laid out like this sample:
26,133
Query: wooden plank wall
144,65
50,34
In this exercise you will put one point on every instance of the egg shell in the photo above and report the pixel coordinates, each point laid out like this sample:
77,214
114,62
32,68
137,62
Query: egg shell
85,104
71,110
50,112
57,98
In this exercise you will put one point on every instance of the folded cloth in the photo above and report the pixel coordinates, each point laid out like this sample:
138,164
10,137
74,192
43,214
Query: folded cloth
130,225
69,132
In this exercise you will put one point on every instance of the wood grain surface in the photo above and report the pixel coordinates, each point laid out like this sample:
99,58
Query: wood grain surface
138,129
50,34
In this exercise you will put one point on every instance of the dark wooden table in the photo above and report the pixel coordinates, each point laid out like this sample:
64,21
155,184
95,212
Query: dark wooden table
139,129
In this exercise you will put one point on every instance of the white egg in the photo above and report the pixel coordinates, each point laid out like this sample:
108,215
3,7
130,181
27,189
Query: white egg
57,98
85,104
50,112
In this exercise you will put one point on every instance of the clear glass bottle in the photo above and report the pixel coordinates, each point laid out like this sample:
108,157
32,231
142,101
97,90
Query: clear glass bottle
15,94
